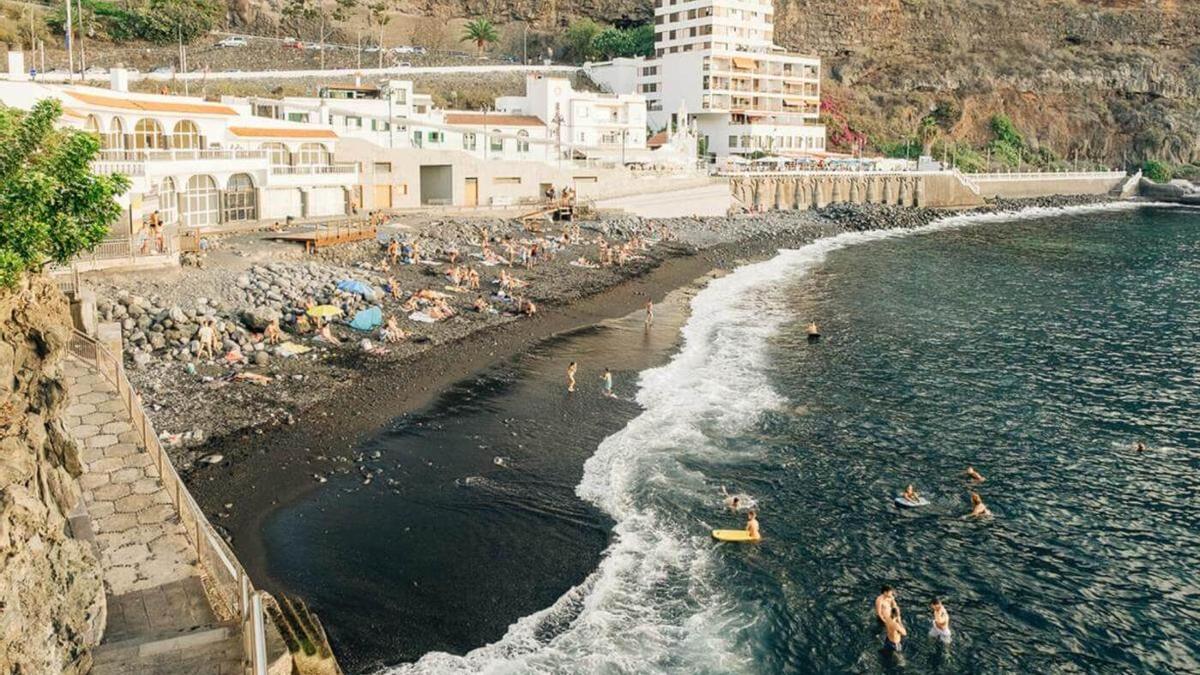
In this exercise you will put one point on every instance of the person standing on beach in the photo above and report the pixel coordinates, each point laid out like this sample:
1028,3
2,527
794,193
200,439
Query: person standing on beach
607,377
649,312
571,376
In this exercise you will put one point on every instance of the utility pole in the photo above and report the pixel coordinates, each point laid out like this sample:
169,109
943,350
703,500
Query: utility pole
557,121
358,53
525,46
79,18
70,45
624,135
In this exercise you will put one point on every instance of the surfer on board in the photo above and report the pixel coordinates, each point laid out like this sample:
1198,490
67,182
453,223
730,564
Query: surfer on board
911,495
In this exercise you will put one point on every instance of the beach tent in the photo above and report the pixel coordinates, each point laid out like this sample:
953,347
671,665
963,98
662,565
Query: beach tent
367,319
357,287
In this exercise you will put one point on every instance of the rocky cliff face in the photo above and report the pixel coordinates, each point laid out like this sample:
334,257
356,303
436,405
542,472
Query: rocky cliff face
51,596
1106,78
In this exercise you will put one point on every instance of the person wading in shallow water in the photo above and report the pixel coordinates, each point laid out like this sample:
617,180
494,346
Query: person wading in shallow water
752,525
940,627
571,376
649,313
895,631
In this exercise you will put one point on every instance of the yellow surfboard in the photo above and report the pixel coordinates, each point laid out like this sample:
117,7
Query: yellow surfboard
732,535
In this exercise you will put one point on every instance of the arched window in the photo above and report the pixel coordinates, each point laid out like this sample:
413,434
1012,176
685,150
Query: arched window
312,154
241,199
522,141
185,136
497,141
148,135
280,156
200,203
116,133
167,206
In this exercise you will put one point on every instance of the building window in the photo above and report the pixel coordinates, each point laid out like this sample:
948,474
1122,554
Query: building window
185,135
383,167
522,141
469,141
297,117
353,122
167,208
241,199
279,154
148,135
497,141
436,137
418,139
507,180
733,141
313,154
200,203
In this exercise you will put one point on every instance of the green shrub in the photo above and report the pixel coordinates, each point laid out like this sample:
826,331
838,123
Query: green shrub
1157,171
51,204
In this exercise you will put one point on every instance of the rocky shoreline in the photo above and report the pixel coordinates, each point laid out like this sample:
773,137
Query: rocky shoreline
199,405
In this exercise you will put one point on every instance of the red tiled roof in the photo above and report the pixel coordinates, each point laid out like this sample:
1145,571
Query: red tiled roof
479,119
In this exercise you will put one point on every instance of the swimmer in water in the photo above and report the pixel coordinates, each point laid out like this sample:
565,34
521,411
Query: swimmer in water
752,525
571,376
974,475
911,495
885,602
732,502
607,377
1139,447
940,627
978,508
813,331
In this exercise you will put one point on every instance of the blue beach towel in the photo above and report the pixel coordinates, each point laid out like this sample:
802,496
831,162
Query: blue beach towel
367,319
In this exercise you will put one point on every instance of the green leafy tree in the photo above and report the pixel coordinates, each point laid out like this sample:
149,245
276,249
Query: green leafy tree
612,42
52,206
641,40
928,131
481,32
580,39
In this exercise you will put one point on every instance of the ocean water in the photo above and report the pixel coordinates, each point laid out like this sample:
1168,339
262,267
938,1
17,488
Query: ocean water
1037,348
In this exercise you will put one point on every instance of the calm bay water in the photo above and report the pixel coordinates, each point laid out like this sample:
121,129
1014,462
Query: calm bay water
1037,349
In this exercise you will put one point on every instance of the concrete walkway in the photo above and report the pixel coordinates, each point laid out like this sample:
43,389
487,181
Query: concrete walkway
141,542
708,200
160,620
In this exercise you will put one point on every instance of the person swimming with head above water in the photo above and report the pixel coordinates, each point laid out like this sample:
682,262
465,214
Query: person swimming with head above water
1139,447
737,502
978,508
974,475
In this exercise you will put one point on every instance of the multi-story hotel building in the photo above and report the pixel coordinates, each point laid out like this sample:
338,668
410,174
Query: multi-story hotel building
717,60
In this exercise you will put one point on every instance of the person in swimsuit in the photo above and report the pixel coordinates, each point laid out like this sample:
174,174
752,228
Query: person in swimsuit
752,525
885,602
911,495
940,628
1139,447
649,313
974,475
978,508
571,376
607,377
894,632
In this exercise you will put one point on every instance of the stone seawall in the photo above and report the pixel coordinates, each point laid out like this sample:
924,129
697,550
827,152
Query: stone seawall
932,189
814,190
52,606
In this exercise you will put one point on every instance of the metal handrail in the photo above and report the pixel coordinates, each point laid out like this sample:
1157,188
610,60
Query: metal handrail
231,584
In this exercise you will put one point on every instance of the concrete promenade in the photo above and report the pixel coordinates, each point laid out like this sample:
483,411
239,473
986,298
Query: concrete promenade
160,618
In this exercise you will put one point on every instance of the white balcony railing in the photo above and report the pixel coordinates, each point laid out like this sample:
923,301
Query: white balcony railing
177,155
315,169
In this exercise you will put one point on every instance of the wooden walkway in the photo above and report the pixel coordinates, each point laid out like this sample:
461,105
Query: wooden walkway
329,234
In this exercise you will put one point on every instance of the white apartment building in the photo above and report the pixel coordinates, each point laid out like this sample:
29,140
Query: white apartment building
594,125
200,163
717,60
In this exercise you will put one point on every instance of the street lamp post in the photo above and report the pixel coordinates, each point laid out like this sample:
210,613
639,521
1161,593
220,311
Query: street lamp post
70,44
557,122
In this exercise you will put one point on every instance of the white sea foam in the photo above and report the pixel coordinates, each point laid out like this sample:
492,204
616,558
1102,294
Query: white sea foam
655,603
